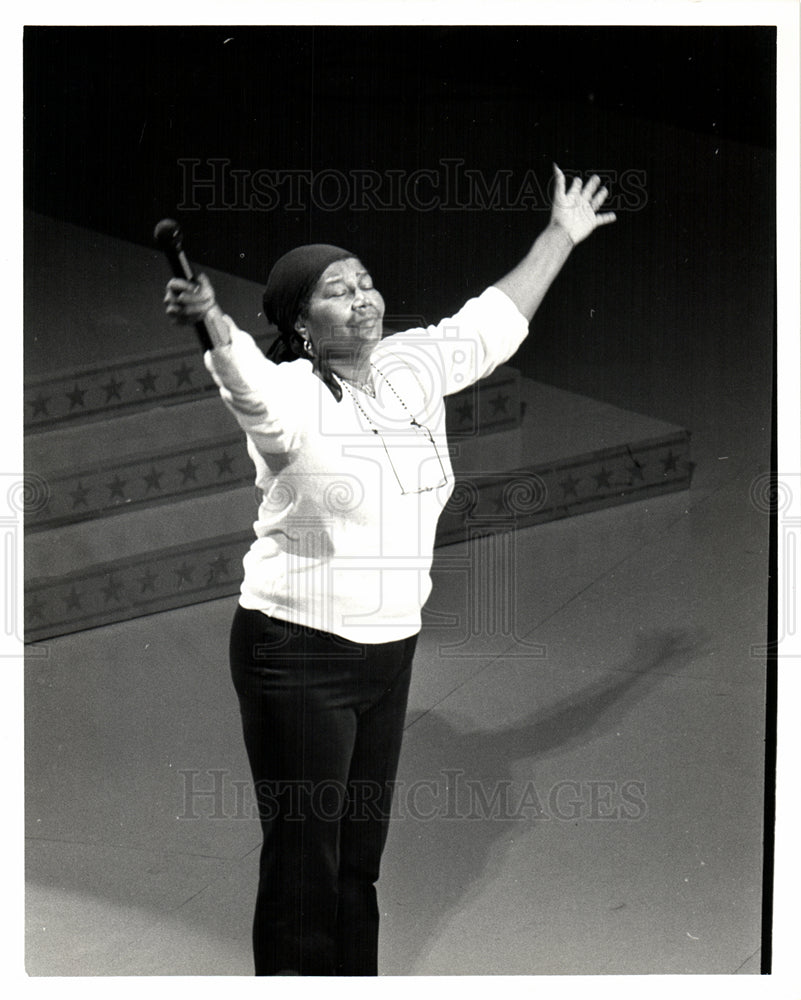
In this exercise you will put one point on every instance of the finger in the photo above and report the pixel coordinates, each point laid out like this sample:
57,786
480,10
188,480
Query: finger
560,180
178,285
195,295
591,186
575,187
605,218
206,286
599,199
190,300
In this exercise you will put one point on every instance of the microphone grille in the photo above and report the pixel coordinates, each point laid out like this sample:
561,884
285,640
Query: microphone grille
168,234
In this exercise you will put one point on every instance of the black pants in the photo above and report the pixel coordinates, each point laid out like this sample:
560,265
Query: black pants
323,723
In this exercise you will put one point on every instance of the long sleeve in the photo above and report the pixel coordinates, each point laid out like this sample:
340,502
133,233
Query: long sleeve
261,395
468,346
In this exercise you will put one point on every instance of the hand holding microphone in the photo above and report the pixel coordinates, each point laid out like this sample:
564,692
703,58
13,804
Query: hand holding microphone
190,300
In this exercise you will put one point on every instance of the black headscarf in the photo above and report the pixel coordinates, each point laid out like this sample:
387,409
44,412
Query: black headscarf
289,287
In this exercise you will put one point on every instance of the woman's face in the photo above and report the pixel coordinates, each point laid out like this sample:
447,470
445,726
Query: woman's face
344,317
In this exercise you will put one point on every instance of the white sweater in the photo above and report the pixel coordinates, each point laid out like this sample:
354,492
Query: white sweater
339,545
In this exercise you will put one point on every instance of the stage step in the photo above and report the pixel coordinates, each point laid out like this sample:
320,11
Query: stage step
567,454
90,469
577,455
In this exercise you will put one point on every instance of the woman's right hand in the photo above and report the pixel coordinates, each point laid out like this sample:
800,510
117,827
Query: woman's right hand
188,302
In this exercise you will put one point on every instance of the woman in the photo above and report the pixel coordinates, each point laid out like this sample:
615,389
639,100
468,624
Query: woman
346,430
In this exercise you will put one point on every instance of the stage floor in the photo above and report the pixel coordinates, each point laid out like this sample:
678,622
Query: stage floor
580,793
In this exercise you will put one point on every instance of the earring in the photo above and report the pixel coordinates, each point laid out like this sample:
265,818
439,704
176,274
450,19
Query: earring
307,347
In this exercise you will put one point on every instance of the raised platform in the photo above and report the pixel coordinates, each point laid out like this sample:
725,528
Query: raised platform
139,490
169,527
577,455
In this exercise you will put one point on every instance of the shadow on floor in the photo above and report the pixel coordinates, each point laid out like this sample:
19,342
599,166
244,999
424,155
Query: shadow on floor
466,779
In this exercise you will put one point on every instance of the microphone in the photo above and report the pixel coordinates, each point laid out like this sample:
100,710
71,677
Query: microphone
169,238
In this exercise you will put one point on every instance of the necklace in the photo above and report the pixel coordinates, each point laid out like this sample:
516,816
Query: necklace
409,475
373,427
370,390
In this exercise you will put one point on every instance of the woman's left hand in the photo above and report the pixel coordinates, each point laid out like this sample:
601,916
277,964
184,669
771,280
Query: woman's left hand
576,210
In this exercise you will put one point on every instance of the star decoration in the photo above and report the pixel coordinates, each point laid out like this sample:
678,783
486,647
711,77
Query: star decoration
636,470
224,464
218,568
569,486
79,496
116,488
40,405
113,389
153,480
499,404
184,574
189,472
183,374
76,397
148,381
112,590
74,600
670,462
602,478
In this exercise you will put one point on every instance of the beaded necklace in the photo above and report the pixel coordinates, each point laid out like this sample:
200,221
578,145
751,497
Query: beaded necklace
420,428
366,387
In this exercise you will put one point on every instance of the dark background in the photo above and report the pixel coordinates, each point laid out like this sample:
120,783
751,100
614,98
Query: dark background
681,284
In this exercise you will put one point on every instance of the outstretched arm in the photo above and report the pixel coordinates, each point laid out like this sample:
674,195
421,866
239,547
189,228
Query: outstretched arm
574,215
269,407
